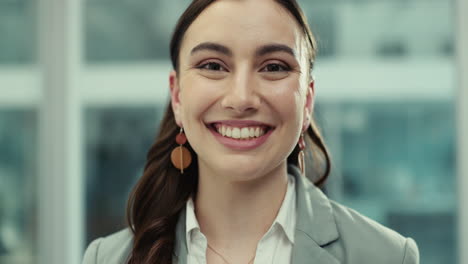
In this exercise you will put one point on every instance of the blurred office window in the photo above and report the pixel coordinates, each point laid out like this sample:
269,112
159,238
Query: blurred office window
398,167
125,31
18,149
18,133
117,141
17,31
393,150
394,155
364,29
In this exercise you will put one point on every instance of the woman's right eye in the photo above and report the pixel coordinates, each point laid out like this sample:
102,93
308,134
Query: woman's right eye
212,66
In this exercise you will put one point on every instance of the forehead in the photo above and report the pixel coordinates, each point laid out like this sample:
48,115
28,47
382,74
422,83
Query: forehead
244,23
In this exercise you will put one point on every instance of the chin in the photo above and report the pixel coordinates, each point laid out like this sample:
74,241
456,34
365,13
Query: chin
240,167
243,173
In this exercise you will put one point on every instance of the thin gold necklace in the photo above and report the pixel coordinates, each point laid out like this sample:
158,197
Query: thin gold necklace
224,259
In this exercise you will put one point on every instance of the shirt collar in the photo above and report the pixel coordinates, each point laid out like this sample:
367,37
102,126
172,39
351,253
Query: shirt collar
286,217
191,221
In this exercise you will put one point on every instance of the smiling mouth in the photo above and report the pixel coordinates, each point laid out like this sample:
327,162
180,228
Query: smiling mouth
240,133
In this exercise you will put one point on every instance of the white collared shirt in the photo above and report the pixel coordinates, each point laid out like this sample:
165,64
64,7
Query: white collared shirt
276,245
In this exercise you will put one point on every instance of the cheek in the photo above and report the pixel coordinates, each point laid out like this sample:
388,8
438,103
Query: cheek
287,99
196,97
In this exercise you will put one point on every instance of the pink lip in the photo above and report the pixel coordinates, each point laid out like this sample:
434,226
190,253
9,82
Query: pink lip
240,144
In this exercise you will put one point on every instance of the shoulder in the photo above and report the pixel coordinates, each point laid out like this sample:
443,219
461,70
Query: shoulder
363,240
112,249
346,235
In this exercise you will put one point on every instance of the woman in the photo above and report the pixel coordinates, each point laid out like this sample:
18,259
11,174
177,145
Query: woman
225,180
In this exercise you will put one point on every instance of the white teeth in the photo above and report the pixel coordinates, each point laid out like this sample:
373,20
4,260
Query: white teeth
240,133
236,132
244,133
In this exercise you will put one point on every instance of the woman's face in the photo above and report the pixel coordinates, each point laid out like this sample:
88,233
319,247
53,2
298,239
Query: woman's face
241,93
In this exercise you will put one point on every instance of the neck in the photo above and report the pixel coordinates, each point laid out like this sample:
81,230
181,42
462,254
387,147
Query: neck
234,215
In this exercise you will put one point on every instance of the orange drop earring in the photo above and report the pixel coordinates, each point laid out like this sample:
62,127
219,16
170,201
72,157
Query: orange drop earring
180,155
301,156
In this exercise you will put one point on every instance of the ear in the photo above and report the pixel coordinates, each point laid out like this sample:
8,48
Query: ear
309,105
175,99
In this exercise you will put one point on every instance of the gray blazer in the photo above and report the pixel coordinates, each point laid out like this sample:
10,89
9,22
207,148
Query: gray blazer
326,233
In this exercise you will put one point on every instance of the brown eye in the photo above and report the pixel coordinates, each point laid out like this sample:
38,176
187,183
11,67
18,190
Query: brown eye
212,66
275,67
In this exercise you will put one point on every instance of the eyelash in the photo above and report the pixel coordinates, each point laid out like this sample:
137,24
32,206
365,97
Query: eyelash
283,68
203,66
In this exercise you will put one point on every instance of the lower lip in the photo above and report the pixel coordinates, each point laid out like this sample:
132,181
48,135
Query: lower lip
241,144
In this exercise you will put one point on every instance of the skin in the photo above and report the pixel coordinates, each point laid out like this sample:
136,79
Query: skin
240,192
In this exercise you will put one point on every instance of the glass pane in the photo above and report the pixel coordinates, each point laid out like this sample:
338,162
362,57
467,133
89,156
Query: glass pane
398,167
394,158
122,31
18,172
17,31
140,30
382,28
117,140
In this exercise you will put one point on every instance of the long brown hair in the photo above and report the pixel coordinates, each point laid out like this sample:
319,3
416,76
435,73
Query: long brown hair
162,192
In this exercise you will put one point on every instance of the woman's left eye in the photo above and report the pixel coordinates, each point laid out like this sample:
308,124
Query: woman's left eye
275,67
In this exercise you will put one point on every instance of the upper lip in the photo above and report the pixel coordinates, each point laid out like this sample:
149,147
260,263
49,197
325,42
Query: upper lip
240,123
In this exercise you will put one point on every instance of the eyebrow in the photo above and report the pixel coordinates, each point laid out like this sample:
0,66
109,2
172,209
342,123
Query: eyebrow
272,48
213,47
261,51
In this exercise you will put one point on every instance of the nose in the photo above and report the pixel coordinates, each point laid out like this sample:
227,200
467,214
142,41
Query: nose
241,96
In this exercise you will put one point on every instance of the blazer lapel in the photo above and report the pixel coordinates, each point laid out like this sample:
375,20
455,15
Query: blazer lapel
306,250
315,225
